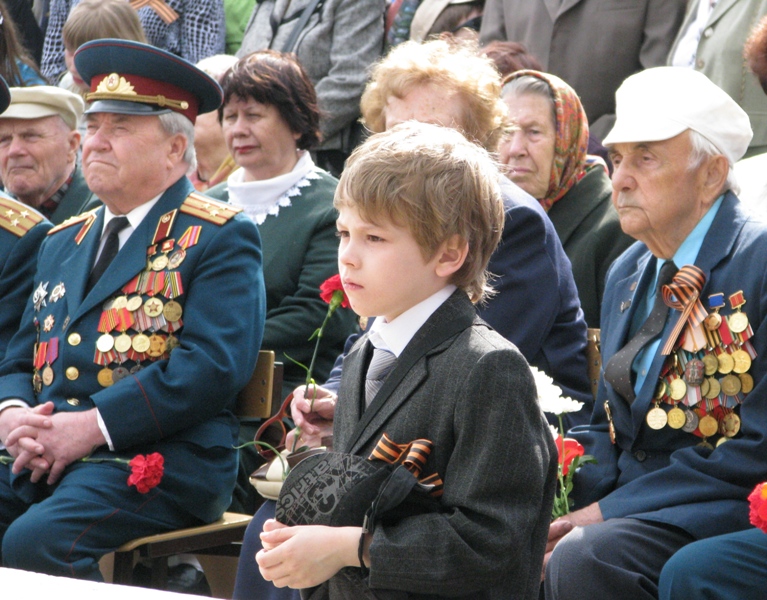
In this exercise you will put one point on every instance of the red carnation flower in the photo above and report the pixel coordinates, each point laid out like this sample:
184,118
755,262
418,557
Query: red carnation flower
332,291
146,471
758,501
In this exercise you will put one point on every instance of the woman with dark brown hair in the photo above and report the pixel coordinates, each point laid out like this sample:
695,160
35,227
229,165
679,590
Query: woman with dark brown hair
270,121
16,65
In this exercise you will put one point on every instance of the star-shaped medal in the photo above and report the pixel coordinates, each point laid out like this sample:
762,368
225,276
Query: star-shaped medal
57,293
48,323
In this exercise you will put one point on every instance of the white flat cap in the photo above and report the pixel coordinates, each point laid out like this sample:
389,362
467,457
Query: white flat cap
44,101
660,103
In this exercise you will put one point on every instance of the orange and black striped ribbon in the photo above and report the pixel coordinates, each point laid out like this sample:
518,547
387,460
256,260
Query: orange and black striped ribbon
412,456
165,12
683,294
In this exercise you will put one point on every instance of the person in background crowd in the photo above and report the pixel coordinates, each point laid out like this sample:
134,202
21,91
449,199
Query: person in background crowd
750,171
164,386
437,16
191,29
22,230
237,13
270,121
39,143
679,428
711,41
593,45
336,46
545,155
536,303
94,20
214,162
16,65
29,30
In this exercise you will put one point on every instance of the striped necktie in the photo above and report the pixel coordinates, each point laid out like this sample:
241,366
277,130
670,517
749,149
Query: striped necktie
380,366
618,369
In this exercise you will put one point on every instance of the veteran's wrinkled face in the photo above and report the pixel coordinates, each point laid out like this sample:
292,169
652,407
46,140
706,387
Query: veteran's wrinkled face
129,159
528,150
657,194
36,156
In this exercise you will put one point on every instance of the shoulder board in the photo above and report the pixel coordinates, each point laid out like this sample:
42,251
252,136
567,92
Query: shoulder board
91,214
208,209
16,217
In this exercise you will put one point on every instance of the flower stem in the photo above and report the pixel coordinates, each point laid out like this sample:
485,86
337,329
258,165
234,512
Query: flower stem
564,504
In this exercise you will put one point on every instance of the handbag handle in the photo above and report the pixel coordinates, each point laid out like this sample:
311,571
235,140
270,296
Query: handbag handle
300,24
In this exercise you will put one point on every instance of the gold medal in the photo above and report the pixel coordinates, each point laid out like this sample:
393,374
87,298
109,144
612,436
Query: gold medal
713,388
721,441
141,343
123,342
710,363
676,418
742,361
708,426
153,308
105,343
156,346
661,389
134,303
726,363
730,384
738,322
105,377
120,302
705,386
678,389
656,418
746,383
731,425
172,310
713,321
48,375
37,382
159,263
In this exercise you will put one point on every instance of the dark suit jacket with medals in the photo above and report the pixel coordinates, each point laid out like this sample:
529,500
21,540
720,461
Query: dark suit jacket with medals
179,404
22,230
666,475
464,387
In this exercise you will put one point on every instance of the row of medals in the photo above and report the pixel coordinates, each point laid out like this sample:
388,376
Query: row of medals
155,346
700,372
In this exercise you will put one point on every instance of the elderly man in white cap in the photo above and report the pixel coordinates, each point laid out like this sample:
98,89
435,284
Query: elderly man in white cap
679,428
39,144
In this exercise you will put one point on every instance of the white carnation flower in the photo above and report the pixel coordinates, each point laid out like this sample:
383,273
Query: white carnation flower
550,396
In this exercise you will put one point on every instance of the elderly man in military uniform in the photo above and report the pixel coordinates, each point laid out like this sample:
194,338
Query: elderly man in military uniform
145,321
679,428
22,230
39,143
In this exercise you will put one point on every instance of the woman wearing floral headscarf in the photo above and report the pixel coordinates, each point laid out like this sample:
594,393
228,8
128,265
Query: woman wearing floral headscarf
545,154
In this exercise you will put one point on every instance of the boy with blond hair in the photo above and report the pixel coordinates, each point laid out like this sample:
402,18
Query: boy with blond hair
420,213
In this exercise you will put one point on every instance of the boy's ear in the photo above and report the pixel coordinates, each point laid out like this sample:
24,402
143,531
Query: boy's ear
451,255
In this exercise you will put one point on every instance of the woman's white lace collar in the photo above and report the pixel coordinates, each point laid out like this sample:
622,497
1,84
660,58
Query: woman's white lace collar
259,199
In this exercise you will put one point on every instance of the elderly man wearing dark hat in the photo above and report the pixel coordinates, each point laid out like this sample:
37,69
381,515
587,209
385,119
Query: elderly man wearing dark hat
22,230
39,143
679,428
145,321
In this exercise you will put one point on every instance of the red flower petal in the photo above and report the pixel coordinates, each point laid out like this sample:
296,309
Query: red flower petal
758,508
331,285
146,471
